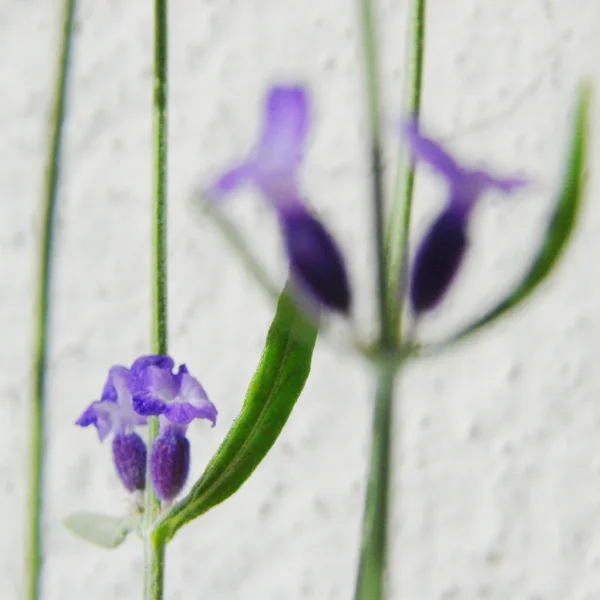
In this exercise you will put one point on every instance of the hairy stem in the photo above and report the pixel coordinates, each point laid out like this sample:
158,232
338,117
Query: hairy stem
38,423
154,562
154,552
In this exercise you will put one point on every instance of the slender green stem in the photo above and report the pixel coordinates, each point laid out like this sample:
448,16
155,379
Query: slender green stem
154,554
154,561
371,582
38,423
391,260
370,47
401,210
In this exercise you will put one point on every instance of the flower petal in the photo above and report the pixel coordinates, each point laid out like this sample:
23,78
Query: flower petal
182,413
430,151
147,404
99,414
232,179
284,134
503,184
192,393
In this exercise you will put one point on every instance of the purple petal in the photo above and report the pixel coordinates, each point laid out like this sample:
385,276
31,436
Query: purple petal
146,404
285,128
100,415
161,383
109,393
438,259
141,365
430,151
88,417
316,260
231,180
182,413
503,184
193,403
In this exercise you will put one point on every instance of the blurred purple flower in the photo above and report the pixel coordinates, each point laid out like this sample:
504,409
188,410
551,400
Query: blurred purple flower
441,251
272,167
178,399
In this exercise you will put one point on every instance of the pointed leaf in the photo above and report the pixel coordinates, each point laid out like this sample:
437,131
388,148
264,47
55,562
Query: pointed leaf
272,394
559,231
102,530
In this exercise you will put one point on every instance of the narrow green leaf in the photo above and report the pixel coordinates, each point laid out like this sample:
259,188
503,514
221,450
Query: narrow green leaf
272,394
102,530
559,232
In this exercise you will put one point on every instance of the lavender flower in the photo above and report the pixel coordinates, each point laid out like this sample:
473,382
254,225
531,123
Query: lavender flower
441,251
315,260
178,399
114,413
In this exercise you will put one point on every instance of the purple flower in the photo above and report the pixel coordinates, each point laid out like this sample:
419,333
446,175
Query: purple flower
178,399
114,413
441,251
272,167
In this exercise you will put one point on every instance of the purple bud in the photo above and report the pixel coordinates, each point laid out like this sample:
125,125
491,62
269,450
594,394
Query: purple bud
169,463
129,455
315,259
438,259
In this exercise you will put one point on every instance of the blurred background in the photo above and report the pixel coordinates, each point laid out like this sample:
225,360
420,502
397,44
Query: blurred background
498,438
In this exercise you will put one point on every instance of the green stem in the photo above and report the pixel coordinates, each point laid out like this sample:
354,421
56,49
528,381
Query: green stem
370,48
154,563
38,423
154,554
401,210
370,584
391,261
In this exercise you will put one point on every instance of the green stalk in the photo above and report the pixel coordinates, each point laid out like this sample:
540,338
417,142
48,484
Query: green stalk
370,584
401,209
38,423
154,552
371,581
391,262
154,562
373,98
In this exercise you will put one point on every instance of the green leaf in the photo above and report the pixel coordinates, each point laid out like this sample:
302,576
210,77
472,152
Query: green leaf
559,231
102,530
271,396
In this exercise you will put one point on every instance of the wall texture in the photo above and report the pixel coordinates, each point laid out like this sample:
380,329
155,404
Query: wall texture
500,476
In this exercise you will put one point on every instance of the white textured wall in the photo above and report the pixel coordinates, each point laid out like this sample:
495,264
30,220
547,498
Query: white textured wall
501,442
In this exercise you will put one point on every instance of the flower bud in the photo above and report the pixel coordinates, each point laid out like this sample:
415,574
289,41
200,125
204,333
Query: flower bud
169,463
437,261
315,259
129,455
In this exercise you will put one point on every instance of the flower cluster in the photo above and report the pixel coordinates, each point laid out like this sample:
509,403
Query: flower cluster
150,387
316,262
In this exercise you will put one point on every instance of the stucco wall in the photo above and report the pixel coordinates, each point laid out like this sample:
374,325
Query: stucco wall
500,479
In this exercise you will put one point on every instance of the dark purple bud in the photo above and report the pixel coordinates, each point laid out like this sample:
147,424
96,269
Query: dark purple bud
438,259
129,455
169,464
316,260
